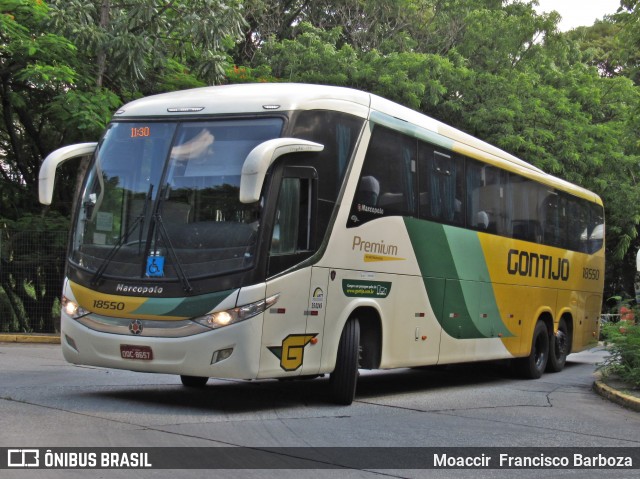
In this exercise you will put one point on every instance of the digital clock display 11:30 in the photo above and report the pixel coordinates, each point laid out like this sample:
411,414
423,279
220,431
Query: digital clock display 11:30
140,132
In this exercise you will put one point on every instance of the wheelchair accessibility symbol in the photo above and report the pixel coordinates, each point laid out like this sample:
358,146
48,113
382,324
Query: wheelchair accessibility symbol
155,266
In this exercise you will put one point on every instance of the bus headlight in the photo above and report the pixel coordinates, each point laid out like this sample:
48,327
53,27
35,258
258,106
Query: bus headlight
235,315
72,308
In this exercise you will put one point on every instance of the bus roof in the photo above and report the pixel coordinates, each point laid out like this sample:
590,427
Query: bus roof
249,98
263,97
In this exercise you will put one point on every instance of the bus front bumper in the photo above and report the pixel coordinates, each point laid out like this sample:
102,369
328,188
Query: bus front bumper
228,352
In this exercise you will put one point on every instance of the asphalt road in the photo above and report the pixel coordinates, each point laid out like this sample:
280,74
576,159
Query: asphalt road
45,402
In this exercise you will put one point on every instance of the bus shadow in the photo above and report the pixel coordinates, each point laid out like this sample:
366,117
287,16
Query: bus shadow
432,378
237,397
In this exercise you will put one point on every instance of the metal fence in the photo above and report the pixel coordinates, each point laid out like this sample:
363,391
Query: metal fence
31,274
609,318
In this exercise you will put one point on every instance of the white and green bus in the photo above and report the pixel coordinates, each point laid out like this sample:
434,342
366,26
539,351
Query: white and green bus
285,230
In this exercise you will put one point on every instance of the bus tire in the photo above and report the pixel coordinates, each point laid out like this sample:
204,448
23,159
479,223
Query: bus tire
342,381
534,365
194,381
559,347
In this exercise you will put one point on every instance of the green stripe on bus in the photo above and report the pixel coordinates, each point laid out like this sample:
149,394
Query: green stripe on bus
456,278
185,307
477,290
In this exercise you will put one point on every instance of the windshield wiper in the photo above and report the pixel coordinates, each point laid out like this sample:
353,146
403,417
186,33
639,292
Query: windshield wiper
157,218
138,221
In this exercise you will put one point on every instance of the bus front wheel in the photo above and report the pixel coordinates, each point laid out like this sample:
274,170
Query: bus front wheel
534,365
194,381
342,382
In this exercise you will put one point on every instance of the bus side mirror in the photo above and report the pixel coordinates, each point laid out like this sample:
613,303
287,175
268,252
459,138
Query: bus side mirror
260,159
47,176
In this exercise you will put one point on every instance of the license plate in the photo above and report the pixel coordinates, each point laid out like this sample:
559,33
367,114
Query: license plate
143,353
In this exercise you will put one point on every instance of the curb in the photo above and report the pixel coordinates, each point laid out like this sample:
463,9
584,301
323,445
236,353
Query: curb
618,397
30,338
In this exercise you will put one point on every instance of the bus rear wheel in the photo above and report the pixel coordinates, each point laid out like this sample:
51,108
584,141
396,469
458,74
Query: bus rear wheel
342,382
534,365
194,381
559,348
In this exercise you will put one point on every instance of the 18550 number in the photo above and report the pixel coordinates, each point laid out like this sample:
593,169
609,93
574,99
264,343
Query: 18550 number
590,273
112,305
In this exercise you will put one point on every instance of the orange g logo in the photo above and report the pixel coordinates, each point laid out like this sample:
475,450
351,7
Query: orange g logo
291,353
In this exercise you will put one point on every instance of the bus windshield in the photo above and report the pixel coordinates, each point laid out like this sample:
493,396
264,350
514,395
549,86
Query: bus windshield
162,200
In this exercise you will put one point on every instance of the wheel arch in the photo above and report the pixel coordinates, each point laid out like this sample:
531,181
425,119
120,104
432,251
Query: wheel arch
568,320
371,333
370,336
547,318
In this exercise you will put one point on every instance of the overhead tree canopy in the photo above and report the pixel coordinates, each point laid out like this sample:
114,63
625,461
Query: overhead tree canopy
140,47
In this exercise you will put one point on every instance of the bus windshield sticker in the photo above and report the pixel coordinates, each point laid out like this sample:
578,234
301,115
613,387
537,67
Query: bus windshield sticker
155,266
354,288
104,221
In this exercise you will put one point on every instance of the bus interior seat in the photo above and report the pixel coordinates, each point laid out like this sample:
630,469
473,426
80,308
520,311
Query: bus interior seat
368,191
392,200
482,220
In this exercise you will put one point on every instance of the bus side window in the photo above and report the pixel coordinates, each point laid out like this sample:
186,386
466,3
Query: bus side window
387,185
596,228
553,215
577,219
287,219
522,209
441,185
486,198
368,191
292,238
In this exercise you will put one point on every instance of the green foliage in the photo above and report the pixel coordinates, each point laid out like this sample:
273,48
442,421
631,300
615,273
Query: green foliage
175,76
313,57
148,45
261,74
32,262
36,68
363,24
563,102
53,221
624,348
86,110
628,39
414,79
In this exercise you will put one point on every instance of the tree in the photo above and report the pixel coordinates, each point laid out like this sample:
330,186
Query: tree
141,47
628,38
363,24
499,71
42,104
37,76
63,71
